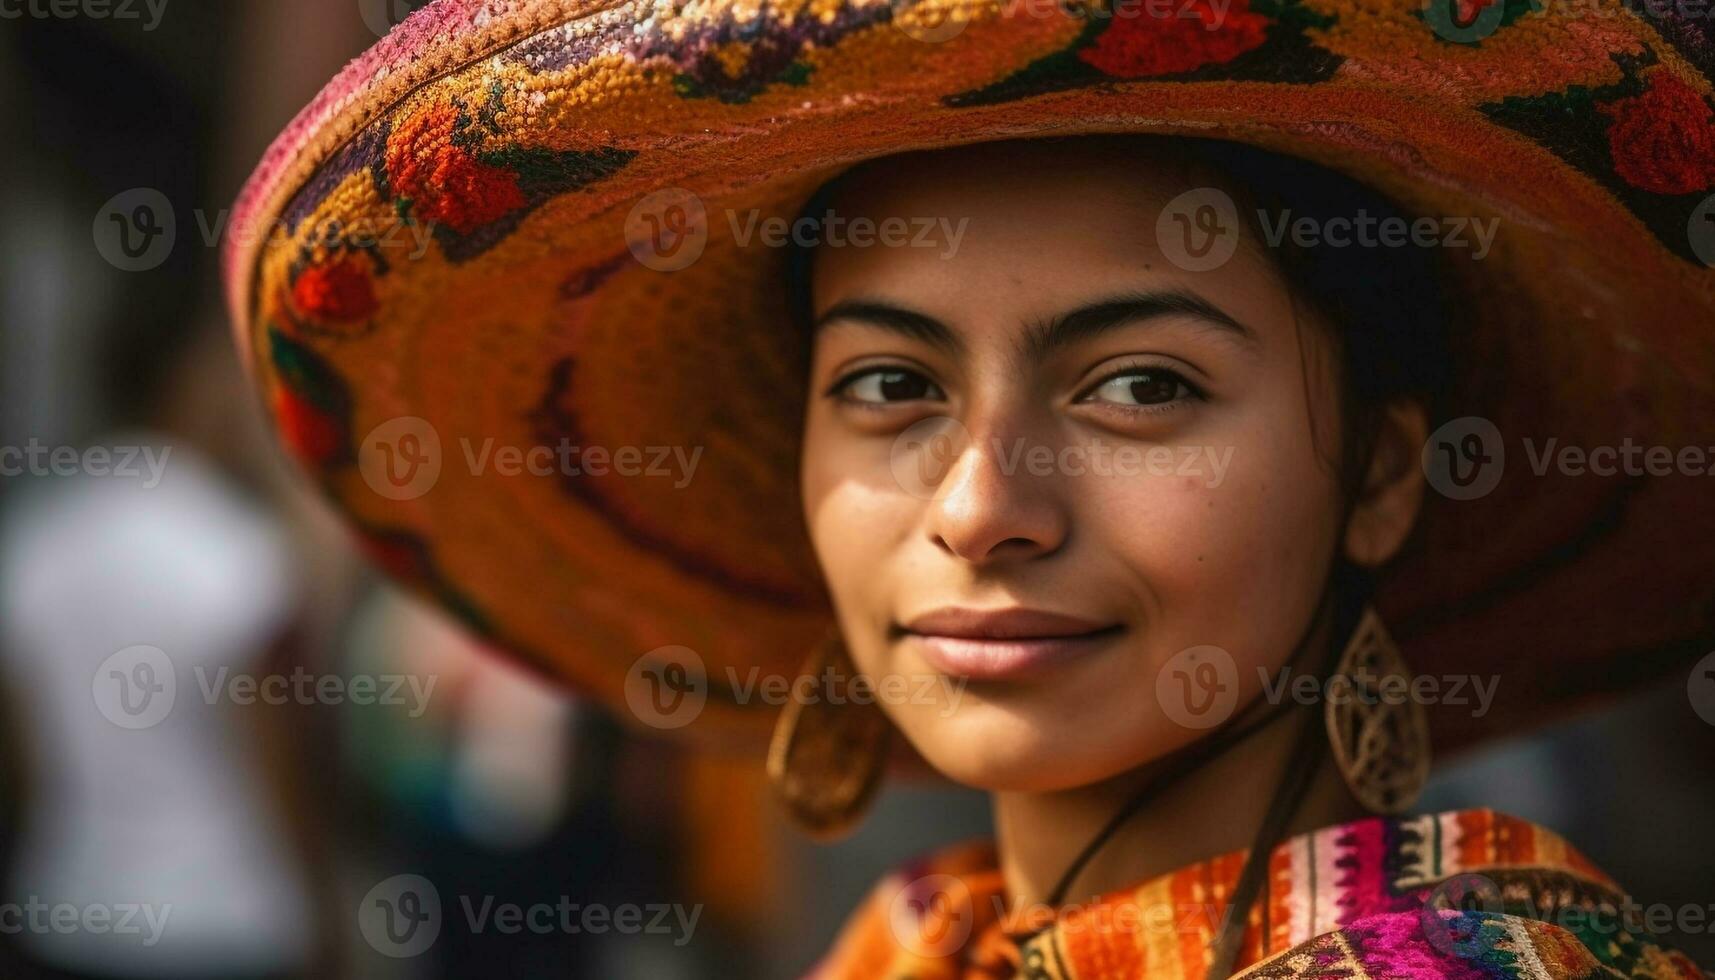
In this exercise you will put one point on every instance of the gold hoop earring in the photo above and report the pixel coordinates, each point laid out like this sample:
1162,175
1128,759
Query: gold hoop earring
1382,749
829,752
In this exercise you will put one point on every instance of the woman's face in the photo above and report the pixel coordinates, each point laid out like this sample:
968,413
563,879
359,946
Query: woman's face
1041,465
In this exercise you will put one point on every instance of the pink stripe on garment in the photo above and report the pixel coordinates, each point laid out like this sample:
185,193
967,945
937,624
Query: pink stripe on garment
1361,887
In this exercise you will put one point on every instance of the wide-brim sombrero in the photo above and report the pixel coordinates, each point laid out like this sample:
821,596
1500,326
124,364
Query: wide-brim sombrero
456,254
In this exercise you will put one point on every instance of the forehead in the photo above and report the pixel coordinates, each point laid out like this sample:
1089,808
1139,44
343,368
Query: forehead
1022,230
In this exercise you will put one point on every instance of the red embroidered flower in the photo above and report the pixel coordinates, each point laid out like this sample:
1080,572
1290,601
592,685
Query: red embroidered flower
308,432
1142,44
339,292
445,184
1663,141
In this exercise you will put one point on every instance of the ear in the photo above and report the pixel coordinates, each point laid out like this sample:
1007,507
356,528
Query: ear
1392,490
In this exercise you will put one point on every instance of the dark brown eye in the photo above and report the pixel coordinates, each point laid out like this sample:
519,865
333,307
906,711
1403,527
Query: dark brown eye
1142,386
883,385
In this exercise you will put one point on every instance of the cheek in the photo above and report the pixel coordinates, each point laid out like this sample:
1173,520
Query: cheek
1231,548
856,515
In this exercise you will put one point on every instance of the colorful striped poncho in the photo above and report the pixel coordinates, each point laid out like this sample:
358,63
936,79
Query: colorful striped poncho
1468,894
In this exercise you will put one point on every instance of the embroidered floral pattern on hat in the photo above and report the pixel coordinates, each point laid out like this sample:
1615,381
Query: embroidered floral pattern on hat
312,405
448,167
1663,141
1190,40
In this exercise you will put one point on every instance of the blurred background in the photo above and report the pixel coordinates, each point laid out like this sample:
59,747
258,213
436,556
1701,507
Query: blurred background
240,835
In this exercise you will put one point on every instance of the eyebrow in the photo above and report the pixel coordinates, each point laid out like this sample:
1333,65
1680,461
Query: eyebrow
894,319
1046,337
1092,320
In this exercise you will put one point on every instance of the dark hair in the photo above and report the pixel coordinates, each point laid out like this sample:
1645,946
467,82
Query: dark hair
1388,309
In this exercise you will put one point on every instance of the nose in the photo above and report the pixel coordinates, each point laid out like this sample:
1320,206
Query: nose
991,507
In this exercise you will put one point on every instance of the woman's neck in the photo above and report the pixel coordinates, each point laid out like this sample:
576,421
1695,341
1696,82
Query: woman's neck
1211,810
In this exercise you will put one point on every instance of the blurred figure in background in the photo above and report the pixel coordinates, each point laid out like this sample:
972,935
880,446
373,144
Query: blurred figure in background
147,806
144,806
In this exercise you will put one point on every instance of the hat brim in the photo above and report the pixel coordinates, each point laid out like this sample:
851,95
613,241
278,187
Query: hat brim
455,285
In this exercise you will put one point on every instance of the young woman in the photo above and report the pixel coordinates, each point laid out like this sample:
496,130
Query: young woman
668,346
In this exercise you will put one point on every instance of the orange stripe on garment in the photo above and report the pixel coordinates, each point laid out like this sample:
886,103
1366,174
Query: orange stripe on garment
1276,900
1161,934
1474,848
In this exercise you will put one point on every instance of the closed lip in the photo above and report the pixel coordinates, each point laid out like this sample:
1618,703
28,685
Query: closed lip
1013,623
1003,644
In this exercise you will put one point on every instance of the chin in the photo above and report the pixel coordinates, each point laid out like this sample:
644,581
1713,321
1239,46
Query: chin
996,749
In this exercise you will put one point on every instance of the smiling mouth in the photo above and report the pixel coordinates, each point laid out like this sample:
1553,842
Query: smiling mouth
1002,644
